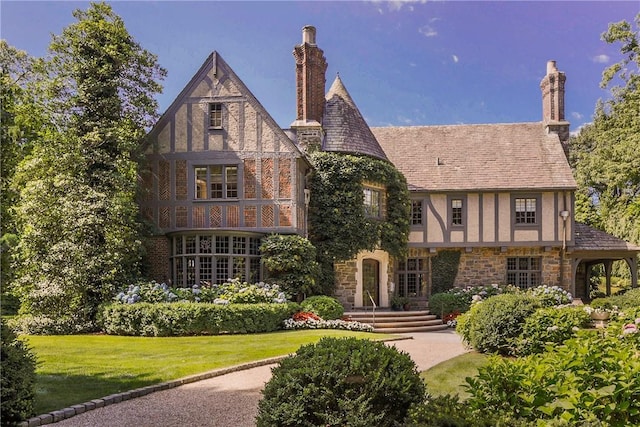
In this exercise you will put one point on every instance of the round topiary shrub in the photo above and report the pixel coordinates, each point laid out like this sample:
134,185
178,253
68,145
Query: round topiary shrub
341,382
493,325
18,378
326,307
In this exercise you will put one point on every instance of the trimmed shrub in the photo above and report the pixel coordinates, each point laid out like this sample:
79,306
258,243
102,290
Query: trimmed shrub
291,262
446,302
186,318
460,299
550,326
29,324
630,298
17,391
492,326
341,382
326,307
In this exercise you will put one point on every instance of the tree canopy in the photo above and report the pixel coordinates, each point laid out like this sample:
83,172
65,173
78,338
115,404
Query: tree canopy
605,155
77,216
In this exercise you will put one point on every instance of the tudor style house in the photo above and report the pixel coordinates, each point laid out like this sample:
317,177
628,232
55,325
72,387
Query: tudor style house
222,174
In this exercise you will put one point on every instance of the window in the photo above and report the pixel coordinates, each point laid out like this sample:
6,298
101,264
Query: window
412,277
525,211
216,182
523,272
372,202
214,259
416,212
215,115
456,212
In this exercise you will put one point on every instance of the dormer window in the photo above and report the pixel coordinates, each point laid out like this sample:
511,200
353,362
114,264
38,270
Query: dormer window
215,115
372,203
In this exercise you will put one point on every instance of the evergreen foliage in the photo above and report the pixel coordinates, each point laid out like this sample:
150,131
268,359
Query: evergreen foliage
77,216
605,153
291,263
339,382
326,307
338,225
18,365
444,268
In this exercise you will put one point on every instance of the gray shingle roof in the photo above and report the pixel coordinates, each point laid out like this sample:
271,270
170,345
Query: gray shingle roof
345,129
590,239
518,156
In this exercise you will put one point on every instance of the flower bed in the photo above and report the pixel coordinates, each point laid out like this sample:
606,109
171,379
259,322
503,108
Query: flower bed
308,320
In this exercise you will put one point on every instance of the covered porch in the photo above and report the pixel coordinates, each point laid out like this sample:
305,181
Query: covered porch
593,247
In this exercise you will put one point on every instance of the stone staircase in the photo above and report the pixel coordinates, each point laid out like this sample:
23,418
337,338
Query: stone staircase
398,321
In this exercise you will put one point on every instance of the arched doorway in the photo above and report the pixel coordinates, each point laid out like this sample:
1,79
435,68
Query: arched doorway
370,282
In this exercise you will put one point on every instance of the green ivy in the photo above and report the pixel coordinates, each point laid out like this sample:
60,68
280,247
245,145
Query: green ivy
444,268
338,225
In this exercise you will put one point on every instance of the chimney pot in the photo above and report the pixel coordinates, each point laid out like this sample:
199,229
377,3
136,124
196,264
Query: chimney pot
309,34
551,67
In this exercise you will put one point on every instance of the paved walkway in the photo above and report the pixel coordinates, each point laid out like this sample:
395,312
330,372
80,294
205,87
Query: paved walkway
232,399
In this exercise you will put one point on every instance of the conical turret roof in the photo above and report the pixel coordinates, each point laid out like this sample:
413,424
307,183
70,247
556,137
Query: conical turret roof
345,129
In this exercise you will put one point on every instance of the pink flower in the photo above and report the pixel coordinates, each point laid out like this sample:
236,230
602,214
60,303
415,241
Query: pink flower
630,328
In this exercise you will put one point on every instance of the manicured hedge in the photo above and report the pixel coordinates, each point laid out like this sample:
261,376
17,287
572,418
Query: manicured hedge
186,318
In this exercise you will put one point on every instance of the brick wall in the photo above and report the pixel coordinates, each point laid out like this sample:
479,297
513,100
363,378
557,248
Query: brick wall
158,253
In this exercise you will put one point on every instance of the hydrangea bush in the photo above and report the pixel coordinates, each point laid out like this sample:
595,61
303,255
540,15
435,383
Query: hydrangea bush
550,296
234,291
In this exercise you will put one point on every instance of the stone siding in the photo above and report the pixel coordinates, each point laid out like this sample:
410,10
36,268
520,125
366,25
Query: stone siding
484,266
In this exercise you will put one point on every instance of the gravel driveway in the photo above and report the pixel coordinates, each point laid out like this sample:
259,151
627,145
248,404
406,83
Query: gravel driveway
232,399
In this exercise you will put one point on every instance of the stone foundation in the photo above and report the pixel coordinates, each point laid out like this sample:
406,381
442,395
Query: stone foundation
481,266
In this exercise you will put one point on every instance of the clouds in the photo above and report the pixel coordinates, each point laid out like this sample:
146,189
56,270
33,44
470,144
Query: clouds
601,59
455,58
428,31
397,5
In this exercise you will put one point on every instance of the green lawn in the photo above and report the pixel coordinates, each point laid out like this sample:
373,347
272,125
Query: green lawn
448,377
77,368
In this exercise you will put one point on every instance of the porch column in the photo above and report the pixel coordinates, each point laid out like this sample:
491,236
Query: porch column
633,266
607,272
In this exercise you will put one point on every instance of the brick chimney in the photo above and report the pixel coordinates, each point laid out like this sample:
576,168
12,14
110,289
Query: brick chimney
552,86
310,77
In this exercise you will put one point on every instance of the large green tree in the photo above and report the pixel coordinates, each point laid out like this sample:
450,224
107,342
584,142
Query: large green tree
605,155
77,214
20,122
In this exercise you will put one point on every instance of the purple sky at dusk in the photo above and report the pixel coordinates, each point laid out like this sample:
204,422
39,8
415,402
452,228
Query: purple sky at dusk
403,62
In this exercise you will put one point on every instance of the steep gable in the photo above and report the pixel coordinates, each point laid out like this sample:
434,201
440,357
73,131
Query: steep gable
518,156
216,81
345,129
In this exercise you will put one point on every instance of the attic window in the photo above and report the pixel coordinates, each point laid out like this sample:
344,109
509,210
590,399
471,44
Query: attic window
215,115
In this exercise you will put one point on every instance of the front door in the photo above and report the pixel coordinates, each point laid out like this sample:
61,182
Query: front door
370,282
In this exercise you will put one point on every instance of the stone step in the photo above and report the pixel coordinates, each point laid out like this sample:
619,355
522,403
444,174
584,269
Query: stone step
387,324
387,313
399,321
399,330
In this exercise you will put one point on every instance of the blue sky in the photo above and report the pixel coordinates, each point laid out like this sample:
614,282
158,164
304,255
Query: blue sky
403,62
